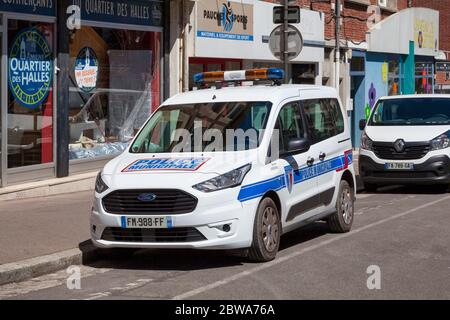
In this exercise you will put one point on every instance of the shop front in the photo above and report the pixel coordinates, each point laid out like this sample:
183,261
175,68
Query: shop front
28,42
115,78
114,83
399,60
230,35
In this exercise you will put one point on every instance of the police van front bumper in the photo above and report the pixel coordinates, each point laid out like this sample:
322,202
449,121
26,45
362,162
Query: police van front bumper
434,170
225,225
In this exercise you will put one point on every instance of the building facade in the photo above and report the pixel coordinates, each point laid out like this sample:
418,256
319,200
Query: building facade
202,40
78,78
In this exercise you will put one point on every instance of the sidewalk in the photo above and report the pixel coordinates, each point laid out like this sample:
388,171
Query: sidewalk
42,235
43,188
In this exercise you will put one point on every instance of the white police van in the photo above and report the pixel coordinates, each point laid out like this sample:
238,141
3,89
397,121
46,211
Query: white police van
406,141
292,165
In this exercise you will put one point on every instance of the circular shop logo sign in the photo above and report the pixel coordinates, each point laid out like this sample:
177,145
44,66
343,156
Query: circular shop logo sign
30,69
86,69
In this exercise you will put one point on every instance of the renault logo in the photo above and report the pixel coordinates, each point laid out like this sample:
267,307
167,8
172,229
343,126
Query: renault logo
399,145
146,197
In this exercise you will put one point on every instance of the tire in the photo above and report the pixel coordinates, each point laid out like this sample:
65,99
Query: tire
267,220
342,220
370,187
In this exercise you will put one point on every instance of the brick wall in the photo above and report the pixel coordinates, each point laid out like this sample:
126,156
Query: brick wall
352,29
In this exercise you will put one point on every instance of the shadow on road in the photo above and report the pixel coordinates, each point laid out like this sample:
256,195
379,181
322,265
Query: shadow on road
412,189
182,259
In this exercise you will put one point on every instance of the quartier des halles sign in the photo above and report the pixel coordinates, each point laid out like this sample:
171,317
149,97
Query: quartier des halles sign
225,20
127,12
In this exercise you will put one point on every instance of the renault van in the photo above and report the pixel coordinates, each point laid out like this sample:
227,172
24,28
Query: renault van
406,141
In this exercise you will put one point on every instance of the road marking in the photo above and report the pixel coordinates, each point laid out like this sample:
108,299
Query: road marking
118,290
47,281
267,265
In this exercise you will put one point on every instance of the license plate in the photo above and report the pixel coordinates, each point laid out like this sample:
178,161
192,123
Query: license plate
399,166
130,222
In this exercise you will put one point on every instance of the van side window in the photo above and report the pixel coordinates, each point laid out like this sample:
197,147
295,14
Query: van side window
324,118
290,125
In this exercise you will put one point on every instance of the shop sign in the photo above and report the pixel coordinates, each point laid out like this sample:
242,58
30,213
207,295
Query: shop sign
225,20
131,12
384,72
425,33
39,7
86,69
443,66
30,68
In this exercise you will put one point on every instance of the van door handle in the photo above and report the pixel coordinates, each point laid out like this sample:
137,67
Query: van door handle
310,161
322,156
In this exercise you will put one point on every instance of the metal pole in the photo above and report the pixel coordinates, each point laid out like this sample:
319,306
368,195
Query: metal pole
285,41
62,110
337,55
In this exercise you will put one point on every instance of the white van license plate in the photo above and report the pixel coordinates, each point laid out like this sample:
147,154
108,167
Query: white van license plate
399,166
130,222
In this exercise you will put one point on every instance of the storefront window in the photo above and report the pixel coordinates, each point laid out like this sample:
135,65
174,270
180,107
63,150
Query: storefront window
114,87
30,93
394,76
303,73
424,78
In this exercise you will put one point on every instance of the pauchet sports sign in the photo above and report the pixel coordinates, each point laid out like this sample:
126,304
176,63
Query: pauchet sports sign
30,69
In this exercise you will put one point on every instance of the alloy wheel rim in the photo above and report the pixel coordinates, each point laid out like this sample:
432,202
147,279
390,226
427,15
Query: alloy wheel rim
270,229
347,206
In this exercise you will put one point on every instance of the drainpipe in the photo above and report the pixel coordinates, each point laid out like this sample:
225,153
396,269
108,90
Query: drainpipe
337,53
186,22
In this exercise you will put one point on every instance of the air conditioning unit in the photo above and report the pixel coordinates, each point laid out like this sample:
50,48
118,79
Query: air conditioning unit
383,3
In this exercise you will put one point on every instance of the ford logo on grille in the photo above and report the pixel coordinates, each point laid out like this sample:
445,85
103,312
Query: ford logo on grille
146,197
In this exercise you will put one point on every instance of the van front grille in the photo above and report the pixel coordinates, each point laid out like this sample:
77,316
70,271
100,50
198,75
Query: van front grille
165,201
412,151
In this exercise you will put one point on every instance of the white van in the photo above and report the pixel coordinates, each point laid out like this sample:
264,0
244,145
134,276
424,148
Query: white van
292,166
406,141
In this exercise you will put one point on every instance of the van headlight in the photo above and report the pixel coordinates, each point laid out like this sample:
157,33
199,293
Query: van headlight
100,185
366,142
227,180
441,142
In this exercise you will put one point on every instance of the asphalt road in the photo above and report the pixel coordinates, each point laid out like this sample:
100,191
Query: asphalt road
403,233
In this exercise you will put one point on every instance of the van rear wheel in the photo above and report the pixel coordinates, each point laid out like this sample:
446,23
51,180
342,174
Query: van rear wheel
266,232
342,220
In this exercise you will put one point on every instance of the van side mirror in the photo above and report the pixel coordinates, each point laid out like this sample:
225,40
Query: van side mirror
362,124
298,145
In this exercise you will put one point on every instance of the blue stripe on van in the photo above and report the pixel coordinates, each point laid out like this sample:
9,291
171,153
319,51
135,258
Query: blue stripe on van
258,189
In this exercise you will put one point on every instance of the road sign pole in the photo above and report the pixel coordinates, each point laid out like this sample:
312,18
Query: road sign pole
285,41
337,59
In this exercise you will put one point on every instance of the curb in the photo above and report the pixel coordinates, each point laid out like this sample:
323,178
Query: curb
35,267
50,187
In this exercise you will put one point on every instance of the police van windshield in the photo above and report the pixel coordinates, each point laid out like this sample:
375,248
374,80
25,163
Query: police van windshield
204,127
412,112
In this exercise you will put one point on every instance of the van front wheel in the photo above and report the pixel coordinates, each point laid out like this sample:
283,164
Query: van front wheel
266,232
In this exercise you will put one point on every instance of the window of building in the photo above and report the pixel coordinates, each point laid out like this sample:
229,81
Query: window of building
30,93
303,73
424,77
114,87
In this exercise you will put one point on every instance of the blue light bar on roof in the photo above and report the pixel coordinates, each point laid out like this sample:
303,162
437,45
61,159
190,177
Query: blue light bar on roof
239,75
